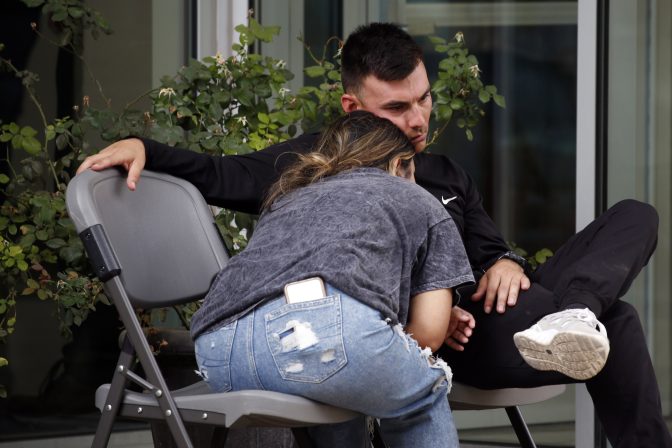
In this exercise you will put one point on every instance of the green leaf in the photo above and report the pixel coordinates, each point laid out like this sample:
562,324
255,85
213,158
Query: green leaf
15,250
4,179
75,12
42,294
263,118
103,298
17,140
27,131
61,141
31,146
42,235
50,132
55,243
60,16
5,137
70,254
542,255
484,96
499,100
457,104
3,362
470,135
436,40
14,128
314,71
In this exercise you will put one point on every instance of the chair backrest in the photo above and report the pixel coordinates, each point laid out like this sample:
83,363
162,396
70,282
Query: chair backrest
167,248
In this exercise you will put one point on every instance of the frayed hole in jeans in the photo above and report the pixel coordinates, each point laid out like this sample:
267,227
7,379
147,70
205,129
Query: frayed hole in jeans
297,336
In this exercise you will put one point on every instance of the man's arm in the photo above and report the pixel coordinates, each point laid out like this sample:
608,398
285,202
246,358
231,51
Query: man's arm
503,278
129,153
235,182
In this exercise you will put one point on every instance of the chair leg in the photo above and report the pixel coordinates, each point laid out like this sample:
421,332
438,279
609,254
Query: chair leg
114,397
302,438
219,436
377,440
519,426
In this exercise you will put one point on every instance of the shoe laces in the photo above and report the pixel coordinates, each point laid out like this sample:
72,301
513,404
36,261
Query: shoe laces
566,317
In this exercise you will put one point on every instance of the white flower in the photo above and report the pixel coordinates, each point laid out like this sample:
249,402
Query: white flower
243,233
233,223
242,120
474,70
283,91
236,246
280,64
219,59
167,91
459,37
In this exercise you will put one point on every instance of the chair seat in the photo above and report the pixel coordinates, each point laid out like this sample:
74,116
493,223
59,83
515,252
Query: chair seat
464,398
197,404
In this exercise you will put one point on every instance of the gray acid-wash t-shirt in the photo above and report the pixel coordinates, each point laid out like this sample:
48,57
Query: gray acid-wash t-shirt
376,237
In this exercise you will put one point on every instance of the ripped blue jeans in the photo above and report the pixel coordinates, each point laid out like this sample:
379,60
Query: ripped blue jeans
338,351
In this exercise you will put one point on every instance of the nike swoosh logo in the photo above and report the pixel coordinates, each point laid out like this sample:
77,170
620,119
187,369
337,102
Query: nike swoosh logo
446,201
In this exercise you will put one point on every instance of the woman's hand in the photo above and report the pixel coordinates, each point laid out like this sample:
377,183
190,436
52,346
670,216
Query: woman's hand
460,328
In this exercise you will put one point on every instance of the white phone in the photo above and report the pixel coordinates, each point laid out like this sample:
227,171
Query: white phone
305,290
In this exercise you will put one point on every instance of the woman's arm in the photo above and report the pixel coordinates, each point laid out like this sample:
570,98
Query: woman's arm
429,317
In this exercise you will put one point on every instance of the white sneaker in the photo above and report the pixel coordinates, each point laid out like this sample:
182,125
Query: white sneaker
572,342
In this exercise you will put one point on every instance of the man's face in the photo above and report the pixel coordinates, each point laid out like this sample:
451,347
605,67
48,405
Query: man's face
406,103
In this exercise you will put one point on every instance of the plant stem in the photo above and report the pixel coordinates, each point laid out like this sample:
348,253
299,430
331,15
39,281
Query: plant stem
39,108
71,50
138,98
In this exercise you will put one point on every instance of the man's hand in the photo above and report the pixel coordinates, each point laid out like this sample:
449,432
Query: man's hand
460,328
502,282
129,153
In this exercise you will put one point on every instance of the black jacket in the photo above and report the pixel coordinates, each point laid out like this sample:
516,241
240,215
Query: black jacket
241,182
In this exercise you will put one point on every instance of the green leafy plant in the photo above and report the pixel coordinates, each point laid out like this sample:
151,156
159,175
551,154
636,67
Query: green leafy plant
459,91
220,106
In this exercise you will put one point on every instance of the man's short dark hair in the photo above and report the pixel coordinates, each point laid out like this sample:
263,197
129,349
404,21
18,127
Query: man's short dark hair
383,50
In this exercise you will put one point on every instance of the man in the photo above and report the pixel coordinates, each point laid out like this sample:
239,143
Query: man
553,312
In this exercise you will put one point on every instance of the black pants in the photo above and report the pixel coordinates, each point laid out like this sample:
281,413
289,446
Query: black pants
595,267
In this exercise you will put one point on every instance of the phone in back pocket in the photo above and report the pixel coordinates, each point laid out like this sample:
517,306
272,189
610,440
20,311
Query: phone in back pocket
305,290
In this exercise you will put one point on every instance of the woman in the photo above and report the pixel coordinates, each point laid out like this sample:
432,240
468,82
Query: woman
388,254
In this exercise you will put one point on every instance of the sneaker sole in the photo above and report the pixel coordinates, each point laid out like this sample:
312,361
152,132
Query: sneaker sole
577,355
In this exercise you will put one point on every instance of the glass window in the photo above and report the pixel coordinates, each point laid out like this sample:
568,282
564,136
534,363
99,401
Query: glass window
639,154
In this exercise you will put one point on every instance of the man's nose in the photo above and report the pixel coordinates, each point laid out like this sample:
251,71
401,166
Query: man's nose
416,118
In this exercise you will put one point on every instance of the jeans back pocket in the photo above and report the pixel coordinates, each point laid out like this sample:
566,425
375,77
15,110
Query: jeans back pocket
306,339
213,356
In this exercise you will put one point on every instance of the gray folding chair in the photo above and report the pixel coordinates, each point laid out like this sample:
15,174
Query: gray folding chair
157,247
468,398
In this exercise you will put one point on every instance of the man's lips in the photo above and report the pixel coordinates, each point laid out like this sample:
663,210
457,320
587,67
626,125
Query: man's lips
419,138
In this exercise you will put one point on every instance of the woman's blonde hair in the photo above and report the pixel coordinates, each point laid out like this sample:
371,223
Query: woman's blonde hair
358,139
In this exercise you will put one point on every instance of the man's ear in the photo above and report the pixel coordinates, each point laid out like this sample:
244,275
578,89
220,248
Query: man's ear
350,103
